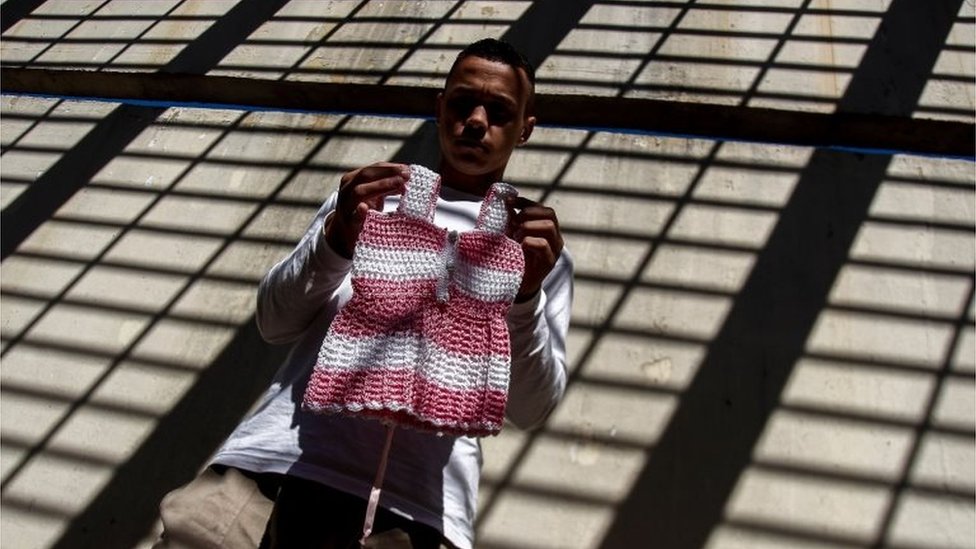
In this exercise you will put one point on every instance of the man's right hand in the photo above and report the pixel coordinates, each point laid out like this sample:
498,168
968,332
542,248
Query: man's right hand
360,191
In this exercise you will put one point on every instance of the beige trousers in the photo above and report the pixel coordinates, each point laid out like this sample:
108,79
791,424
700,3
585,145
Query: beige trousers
227,509
220,508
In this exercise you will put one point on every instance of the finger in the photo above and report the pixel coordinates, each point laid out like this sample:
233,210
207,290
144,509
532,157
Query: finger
374,173
371,182
536,213
539,226
533,218
373,192
516,206
538,246
383,170
543,228
521,202
539,258
369,192
360,214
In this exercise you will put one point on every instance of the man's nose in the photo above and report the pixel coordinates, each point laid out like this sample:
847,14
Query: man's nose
477,119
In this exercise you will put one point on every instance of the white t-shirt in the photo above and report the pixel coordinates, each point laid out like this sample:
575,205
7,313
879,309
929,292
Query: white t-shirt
430,479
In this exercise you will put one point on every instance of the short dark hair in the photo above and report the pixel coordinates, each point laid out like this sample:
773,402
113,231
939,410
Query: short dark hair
496,50
503,52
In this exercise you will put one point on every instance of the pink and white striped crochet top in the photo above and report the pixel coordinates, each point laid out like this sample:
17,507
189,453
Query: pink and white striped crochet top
423,342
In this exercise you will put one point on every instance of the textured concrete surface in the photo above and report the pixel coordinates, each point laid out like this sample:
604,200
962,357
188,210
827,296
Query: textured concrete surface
772,346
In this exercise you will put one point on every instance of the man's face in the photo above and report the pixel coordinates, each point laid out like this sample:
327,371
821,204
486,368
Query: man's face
481,116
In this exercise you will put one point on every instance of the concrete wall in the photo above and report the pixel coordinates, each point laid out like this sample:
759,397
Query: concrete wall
772,345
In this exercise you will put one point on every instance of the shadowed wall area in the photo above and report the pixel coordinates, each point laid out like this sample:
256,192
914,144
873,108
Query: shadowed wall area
770,204
680,496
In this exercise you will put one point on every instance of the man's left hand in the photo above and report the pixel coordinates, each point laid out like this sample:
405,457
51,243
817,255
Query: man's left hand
536,228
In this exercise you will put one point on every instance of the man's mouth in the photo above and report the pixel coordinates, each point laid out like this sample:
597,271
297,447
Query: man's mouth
470,144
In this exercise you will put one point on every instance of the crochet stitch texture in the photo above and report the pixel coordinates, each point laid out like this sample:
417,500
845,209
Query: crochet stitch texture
423,342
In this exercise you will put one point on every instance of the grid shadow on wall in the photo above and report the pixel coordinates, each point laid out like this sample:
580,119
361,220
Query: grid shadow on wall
143,308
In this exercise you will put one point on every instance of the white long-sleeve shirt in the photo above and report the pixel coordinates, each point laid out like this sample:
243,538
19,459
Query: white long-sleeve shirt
431,479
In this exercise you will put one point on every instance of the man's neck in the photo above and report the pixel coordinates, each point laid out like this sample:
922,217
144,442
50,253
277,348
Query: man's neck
472,184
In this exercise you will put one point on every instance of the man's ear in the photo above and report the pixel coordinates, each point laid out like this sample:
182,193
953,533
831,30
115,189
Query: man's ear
527,128
437,107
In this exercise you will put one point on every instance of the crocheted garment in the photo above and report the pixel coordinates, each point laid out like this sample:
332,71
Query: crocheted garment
423,342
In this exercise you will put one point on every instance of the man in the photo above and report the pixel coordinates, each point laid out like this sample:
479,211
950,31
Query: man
310,473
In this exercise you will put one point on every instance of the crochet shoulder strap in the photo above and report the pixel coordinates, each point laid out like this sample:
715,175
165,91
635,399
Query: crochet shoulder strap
422,189
494,212
420,196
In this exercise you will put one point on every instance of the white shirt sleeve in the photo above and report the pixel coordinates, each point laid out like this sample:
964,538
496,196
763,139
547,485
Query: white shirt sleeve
538,329
295,290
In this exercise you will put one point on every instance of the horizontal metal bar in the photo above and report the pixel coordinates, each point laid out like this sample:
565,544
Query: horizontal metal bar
855,131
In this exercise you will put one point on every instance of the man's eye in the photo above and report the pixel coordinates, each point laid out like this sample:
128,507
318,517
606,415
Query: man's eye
499,113
460,105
